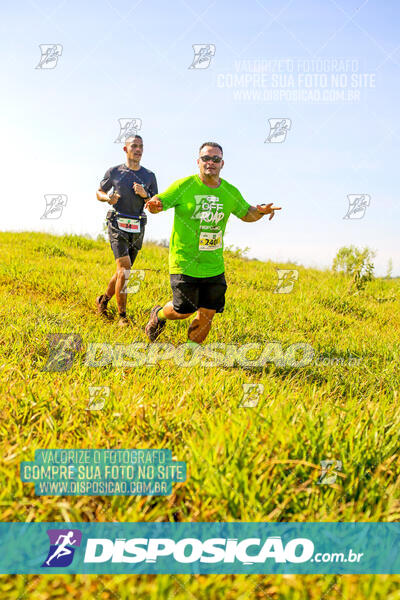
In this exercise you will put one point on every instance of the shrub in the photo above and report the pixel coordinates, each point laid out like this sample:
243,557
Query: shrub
355,263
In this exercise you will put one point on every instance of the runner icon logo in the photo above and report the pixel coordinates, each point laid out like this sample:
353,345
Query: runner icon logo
62,350
203,54
127,128
62,547
55,203
98,395
328,471
50,54
278,129
135,278
357,205
286,280
251,394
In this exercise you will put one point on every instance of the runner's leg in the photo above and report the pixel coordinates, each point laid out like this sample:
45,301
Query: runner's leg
200,327
123,264
171,314
111,286
185,303
120,246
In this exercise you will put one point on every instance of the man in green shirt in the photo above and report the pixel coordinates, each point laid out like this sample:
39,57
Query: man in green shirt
202,206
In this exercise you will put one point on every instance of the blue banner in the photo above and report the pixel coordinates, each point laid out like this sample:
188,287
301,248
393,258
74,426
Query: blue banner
200,548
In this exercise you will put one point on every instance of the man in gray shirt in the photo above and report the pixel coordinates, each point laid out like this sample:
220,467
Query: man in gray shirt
132,185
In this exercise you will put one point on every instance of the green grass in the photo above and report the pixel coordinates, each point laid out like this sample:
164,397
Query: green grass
244,464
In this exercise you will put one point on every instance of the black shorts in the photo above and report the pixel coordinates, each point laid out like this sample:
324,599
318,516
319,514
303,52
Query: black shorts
124,243
192,293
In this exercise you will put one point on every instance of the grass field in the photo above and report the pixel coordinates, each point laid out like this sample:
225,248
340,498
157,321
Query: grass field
244,464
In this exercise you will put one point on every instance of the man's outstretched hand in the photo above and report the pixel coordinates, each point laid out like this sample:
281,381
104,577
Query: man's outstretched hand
154,205
268,209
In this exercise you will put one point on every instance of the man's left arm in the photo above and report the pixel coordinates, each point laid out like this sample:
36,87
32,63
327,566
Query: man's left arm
153,187
255,213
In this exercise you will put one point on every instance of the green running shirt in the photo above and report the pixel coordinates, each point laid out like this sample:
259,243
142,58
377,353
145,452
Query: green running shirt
201,214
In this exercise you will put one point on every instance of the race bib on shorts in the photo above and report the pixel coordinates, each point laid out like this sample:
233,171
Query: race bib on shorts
210,241
130,225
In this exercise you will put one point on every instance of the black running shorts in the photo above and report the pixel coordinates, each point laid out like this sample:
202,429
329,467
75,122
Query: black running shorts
125,243
192,293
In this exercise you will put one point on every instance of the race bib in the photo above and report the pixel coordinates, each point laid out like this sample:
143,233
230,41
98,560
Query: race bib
131,225
210,241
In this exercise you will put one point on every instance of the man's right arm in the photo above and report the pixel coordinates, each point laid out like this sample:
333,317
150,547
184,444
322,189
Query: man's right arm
170,198
104,197
105,186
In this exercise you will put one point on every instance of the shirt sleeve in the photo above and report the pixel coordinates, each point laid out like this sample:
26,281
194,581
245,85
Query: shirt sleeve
171,196
153,188
106,183
239,205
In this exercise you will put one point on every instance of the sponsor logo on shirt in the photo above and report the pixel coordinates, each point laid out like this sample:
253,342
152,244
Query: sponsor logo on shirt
208,209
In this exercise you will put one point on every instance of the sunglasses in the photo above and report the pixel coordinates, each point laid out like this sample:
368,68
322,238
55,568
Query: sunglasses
215,158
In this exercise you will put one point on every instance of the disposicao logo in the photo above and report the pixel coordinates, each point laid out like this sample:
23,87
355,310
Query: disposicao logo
190,550
62,547
63,543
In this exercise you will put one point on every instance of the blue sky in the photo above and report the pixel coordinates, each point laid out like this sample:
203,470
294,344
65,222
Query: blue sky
125,59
